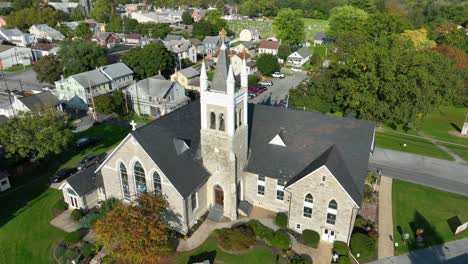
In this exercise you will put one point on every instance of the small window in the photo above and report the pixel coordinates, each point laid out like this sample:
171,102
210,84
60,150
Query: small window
261,178
323,178
240,117
193,199
333,205
261,189
331,219
157,183
213,120
279,195
309,198
281,183
221,122
298,226
307,212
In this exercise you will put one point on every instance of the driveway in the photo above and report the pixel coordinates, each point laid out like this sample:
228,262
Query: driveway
280,88
441,174
455,252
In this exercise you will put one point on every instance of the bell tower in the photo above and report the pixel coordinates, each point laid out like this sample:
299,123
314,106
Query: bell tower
224,131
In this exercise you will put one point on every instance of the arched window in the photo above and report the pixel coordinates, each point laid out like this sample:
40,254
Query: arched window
124,179
308,205
221,122
157,183
240,117
213,120
140,180
331,212
309,198
333,205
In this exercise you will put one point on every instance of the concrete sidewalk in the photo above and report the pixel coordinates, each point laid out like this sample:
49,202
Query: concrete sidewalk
385,244
63,221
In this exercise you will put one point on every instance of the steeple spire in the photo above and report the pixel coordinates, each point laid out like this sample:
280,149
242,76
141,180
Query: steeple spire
203,77
244,74
230,81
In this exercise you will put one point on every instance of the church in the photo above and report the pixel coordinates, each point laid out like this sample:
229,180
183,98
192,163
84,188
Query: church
222,155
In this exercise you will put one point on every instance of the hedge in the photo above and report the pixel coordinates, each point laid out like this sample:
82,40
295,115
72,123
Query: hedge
261,231
311,238
280,241
340,248
298,259
281,220
76,214
60,205
72,237
88,250
88,220
344,259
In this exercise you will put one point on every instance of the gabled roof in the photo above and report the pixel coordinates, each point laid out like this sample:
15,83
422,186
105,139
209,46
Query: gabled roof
308,135
269,44
84,181
189,72
216,40
304,52
116,70
154,86
97,76
39,101
172,37
134,36
185,171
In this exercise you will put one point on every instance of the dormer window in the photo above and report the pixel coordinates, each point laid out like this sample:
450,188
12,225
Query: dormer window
278,141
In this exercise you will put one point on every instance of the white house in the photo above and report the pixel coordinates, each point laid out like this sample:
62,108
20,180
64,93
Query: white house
268,47
299,57
35,102
181,46
156,96
249,34
4,181
80,190
15,36
43,31
40,50
237,60
13,56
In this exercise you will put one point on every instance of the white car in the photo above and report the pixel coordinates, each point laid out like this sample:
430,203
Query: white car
296,70
266,83
278,75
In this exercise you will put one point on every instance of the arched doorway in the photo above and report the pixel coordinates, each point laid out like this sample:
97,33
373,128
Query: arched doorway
219,195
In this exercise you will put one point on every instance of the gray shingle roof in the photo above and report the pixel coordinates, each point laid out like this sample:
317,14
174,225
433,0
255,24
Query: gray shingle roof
304,52
308,136
320,36
3,119
117,70
216,40
95,77
39,101
154,86
221,72
172,37
84,181
185,171
189,72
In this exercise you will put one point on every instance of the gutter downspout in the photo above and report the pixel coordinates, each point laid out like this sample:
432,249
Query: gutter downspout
186,215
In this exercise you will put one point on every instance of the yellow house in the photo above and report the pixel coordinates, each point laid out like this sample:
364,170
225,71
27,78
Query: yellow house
188,77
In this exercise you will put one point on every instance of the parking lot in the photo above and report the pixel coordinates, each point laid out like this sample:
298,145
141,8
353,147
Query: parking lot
280,88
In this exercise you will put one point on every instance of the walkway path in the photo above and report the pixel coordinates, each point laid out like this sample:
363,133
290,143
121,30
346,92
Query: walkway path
385,218
64,222
321,255
443,148
454,252
446,175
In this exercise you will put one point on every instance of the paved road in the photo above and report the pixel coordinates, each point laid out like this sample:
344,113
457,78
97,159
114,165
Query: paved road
280,88
441,174
455,252
22,81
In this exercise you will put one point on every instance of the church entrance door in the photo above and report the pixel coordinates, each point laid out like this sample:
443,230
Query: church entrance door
219,195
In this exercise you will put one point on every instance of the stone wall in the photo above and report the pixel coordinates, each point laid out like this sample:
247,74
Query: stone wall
268,200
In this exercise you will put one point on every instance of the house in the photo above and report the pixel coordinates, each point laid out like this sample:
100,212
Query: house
268,47
40,50
66,7
320,38
156,96
13,56
133,39
36,102
249,34
80,190
212,43
4,181
72,25
197,44
237,60
245,46
182,47
44,32
224,156
16,37
102,80
105,39
188,78
198,14
299,57
134,7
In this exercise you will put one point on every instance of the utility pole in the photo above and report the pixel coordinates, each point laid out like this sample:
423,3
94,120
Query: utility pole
92,100
9,93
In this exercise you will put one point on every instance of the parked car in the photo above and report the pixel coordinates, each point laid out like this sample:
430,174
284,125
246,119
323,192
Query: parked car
296,70
255,90
86,161
84,142
252,95
266,82
278,75
62,174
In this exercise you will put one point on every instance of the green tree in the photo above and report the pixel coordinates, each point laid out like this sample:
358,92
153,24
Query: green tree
83,31
79,56
101,11
202,29
34,135
346,18
267,64
382,25
111,103
187,18
48,69
249,8
66,31
214,18
284,51
289,26
25,18
449,34
77,14
149,60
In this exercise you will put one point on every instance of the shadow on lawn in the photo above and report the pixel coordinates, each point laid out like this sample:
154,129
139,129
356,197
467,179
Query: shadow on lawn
208,255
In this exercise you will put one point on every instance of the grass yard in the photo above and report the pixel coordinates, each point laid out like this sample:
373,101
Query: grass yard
209,250
322,51
18,68
416,206
313,26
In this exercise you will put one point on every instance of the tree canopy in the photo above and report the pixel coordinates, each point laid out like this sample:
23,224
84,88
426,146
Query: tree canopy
34,136
346,18
48,69
83,31
119,25
267,64
187,18
139,232
80,56
101,11
289,26
23,19
149,60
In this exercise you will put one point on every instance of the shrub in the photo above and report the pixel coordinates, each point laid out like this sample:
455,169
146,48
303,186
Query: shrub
344,259
253,79
368,192
72,237
88,250
364,245
261,231
107,206
311,238
76,214
361,222
281,220
340,248
267,64
88,220
60,205
280,241
298,259
238,238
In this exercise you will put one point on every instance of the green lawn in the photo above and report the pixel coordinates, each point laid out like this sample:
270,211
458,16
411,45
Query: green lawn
18,68
313,26
209,250
416,206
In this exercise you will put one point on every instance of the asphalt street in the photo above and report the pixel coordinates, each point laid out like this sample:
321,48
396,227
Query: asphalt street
21,81
440,174
280,88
